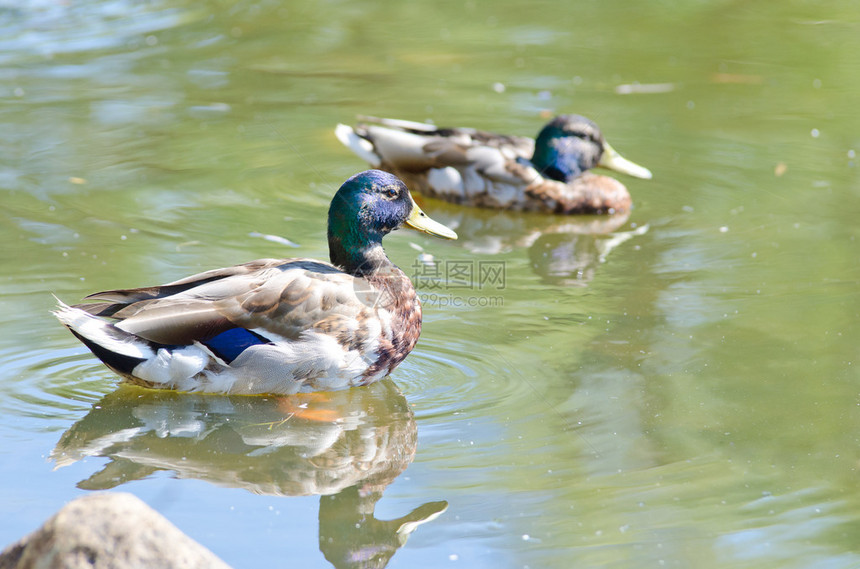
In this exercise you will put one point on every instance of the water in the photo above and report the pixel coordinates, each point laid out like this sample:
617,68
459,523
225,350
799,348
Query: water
676,387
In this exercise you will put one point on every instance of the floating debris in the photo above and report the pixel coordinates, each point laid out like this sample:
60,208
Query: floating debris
423,257
211,108
780,169
427,259
644,88
184,244
274,239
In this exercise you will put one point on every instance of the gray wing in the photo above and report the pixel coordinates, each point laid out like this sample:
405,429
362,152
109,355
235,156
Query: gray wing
415,147
281,297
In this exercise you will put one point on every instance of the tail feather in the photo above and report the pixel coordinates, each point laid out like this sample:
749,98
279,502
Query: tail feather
361,146
118,349
120,363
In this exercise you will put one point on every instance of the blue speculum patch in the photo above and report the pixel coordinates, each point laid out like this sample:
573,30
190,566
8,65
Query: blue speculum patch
228,345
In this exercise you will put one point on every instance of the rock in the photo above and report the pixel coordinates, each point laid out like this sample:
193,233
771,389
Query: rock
108,531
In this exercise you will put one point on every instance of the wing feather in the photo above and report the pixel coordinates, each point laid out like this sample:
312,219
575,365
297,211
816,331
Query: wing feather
416,147
281,297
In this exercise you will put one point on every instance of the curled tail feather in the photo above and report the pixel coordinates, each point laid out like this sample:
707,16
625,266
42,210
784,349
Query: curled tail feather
355,142
118,349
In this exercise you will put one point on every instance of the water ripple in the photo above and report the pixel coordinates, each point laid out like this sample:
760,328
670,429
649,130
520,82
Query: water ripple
53,384
443,378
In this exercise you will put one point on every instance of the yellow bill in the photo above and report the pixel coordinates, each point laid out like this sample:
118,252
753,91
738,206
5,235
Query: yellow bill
419,220
614,161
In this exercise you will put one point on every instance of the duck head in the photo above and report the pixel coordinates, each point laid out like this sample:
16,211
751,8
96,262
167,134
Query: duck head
367,207
571,144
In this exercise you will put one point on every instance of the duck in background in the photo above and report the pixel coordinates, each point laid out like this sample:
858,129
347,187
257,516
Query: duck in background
466,166
273,325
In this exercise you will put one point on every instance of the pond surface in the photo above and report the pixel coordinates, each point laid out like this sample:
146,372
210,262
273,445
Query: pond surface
677,387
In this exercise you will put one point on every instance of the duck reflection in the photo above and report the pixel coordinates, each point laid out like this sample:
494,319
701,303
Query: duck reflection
562,250
346,446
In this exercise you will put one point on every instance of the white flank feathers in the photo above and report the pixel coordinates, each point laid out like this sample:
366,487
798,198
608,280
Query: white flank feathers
173,367
446,181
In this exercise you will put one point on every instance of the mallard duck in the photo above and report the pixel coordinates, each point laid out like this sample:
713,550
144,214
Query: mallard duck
273,325
472,167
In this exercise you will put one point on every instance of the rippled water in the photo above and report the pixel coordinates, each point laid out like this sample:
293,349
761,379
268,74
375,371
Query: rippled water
673,387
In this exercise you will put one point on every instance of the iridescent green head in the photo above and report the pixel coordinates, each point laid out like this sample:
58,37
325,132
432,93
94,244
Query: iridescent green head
571,144
367,207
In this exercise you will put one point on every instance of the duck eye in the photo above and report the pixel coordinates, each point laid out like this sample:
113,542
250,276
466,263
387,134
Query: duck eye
391,193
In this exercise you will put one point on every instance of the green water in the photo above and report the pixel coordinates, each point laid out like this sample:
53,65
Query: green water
674,388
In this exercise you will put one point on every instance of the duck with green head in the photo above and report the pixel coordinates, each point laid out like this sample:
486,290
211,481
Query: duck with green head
273,325
462,165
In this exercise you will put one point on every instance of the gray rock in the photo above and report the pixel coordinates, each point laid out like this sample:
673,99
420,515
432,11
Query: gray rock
108,531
